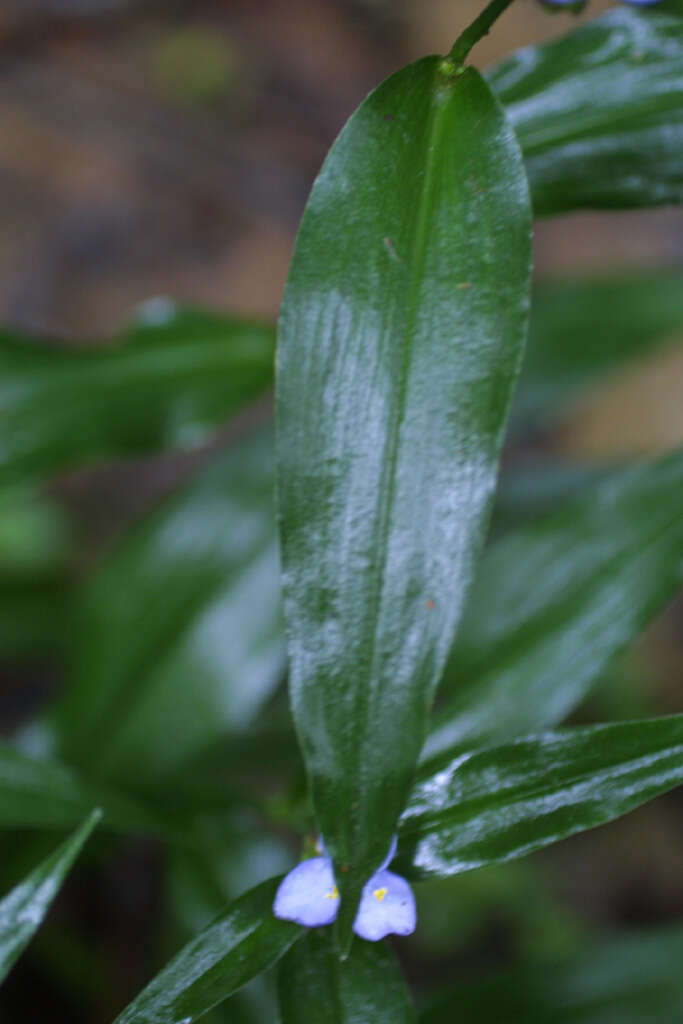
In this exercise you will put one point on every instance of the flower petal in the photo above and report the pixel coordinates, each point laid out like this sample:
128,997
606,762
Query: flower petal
308,894
387,907
390,856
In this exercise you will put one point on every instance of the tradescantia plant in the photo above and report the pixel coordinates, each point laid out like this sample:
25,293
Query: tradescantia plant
429,668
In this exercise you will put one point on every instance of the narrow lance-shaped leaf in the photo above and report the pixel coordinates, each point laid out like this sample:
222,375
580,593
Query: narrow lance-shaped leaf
36,792
367,986
180,635
599,111
231,856
554,602
244,941
629,979
401,336
504,802
23,909
170,380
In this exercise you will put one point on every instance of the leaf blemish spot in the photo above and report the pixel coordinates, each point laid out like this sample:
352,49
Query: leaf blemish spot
464,285
430,604
389,246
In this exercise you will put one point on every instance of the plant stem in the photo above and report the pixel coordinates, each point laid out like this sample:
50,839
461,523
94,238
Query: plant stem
480,27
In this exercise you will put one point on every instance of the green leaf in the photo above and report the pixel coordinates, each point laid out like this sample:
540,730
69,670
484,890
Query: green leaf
554,602
180,634
401,335
503,802
599,112
246,940
537,485
34,590
582,329
165,383
629,979
34,614
23,909
34,533
37,792
232,855
367,986
240,766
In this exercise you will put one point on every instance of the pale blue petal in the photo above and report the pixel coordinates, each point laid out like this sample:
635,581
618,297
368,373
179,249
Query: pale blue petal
390,856
387,907
308,895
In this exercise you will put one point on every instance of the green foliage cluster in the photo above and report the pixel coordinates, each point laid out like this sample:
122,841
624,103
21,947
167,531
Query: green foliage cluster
431,668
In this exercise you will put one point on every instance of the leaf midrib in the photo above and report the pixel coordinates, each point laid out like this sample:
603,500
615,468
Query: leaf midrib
387,486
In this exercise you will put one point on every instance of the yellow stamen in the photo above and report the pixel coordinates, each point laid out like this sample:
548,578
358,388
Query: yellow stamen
379,894
333,895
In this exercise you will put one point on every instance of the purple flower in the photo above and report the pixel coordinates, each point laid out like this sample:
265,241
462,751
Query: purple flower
578,5
574,5
309,896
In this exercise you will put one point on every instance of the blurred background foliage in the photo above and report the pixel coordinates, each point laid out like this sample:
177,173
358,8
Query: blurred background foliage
167,148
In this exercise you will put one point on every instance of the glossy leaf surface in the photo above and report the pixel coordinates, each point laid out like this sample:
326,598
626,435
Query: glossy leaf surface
503,802
554,602
232,855
23,909
401,335
629,979
36,792
599,111
165,384
367,986
240,944
180,636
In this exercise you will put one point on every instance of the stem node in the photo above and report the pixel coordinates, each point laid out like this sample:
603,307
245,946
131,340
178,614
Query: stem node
480,27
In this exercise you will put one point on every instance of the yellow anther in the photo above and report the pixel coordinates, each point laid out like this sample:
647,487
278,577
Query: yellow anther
379,894
333,894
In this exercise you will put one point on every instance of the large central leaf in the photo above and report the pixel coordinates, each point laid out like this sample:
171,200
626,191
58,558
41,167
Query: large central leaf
401,335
